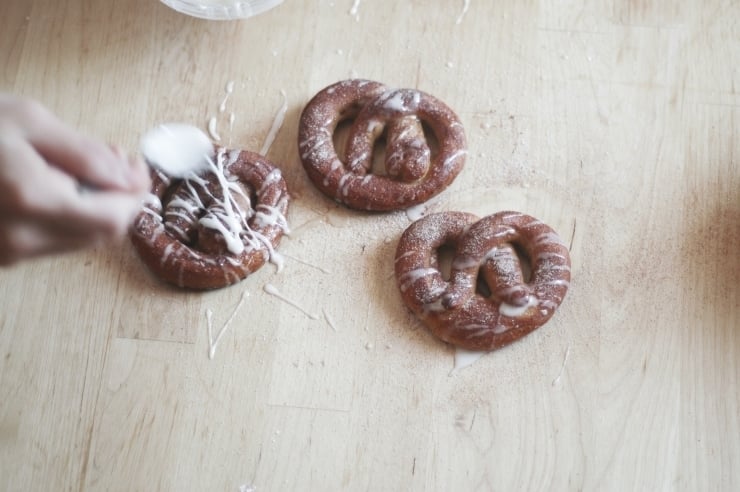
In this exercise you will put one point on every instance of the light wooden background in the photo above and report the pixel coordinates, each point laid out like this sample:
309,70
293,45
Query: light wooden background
615,121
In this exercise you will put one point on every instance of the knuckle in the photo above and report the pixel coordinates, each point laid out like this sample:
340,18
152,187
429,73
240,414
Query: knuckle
30,111
24,199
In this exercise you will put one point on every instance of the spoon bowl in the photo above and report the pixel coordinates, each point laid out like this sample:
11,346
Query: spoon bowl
177,149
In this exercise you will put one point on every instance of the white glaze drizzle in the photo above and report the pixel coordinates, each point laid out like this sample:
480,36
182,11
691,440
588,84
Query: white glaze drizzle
548,256
167,252
515,311
226,216
229,91
307,263
277,123
213,121
394,101
562,367
548,237
547,304
213,344
466,6
499,329
404,255
512,215
503,232
508,291
232,117
273,291
343,185
209,324
273,256
213,130
503,259
452,157
267,215
416,212
435,302
473,330
155,215
557,281
329,320
407,279
465,358
222,106
315,143
356,164
353,11
152,200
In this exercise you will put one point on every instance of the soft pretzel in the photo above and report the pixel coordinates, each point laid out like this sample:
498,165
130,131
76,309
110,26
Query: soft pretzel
416,169
213,229
460,311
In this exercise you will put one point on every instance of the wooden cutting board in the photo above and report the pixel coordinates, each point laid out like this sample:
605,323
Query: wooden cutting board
614,122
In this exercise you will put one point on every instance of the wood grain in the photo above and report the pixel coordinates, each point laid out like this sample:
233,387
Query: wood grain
615,122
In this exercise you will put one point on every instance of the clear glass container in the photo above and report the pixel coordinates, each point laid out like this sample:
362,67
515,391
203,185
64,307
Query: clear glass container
221,9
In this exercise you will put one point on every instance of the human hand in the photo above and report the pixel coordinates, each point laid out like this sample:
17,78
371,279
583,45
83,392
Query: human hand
60,190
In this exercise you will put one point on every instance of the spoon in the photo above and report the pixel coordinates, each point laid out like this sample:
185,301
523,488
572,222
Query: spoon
177,149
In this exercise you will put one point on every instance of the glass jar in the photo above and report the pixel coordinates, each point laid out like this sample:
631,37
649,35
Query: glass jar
221,9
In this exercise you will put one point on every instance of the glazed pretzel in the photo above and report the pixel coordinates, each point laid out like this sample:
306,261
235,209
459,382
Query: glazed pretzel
415,172
454,310
213,229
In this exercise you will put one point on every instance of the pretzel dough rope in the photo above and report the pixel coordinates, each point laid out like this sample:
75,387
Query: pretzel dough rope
453,310
203,233
414,172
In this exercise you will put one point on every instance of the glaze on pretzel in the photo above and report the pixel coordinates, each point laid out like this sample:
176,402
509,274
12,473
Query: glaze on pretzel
213,229
415,171
484,249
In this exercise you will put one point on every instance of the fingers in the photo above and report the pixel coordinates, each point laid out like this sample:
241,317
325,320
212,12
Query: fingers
58,202
24,240
102,214
90,161
89,219
43,210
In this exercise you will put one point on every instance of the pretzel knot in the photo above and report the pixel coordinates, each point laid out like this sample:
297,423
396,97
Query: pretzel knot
416,168
490,299
213,229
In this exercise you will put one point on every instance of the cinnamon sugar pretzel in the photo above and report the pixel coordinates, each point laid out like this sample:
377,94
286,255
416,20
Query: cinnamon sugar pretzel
458,310
213,229
416,169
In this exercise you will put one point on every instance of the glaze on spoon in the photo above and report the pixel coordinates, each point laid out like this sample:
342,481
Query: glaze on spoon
177,149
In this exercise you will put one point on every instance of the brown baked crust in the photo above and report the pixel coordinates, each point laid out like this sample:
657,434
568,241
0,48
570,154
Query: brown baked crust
415,171
454,310
194,234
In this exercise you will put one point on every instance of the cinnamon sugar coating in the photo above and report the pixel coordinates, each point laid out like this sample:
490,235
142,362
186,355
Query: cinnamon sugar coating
516,297
416,168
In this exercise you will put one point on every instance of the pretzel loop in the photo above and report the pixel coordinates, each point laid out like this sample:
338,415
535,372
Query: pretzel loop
512,302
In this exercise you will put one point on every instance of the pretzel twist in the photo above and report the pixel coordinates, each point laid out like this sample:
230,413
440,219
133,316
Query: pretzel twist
455,310
212,230
416,169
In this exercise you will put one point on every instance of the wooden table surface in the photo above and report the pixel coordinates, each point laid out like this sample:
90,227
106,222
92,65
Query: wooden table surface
615,122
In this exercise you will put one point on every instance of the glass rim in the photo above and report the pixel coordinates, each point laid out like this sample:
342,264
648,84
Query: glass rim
239,9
